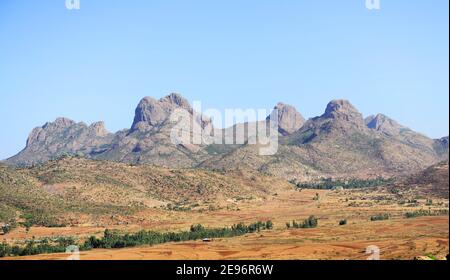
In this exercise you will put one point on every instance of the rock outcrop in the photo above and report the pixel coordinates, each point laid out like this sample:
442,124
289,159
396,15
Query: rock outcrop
63,136
289,119
384,124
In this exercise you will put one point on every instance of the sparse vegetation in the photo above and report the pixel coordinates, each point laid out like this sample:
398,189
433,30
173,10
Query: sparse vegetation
39,219
421,213
380,217
6,228
316,197
329,183
112,239
34,247
311,222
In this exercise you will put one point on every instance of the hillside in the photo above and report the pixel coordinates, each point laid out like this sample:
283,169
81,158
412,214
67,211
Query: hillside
432,181
78,189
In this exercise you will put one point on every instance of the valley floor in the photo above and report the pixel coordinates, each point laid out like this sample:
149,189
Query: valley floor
397,238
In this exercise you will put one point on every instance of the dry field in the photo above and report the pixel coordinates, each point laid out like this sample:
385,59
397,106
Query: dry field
397,238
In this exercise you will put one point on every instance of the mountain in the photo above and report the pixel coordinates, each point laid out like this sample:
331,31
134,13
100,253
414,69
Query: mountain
149,138
391,128
63,136
339,143
336,144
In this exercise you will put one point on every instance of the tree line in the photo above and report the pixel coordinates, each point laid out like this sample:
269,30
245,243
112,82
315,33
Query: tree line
311,222
329,183
113,239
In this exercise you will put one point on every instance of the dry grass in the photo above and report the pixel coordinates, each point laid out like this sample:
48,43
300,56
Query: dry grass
397,238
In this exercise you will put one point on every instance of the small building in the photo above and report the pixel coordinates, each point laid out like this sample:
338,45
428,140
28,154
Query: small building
206,240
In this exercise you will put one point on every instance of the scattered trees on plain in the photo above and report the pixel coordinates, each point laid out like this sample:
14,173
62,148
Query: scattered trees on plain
311,222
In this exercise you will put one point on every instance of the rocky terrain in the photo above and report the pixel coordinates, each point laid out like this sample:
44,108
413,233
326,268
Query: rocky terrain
339,143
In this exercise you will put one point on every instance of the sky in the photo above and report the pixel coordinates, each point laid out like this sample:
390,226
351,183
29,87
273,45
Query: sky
97,62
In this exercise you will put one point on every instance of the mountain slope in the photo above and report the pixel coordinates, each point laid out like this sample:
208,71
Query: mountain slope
73,190
431,182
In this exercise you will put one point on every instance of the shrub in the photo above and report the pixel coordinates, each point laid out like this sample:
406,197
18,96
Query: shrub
5,250
6,228
311,222
380,217
421,213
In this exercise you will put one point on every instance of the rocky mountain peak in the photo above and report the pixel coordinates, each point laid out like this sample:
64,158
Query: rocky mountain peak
341,107
98,129
177,100
39,134
384,124
152,113
343,110
59,123
289,119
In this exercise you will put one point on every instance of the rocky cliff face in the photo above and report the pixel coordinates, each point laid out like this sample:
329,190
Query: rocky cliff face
384,124
152,113
289,119
149,138
343,112
63,136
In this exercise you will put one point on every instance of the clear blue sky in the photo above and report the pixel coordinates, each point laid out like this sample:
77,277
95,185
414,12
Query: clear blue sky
98,62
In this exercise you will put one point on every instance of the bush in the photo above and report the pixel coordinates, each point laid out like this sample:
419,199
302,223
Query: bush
380,217
6,228
311,222
5,250
421,213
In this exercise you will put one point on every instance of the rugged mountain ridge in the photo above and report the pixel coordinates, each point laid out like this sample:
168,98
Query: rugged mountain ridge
63,136
338,143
